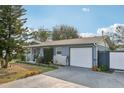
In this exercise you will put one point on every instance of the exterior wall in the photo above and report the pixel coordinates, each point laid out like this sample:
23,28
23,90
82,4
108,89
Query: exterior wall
65,51
41,52
61,58
30,57
94,56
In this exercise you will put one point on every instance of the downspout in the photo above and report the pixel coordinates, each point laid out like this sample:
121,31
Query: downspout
95,63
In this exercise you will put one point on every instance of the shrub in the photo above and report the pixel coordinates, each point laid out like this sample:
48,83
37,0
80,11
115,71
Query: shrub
40,60
102,68
48,55
35,57
22,57
98,69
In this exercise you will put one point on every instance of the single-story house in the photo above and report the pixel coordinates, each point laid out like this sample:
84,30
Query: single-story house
82,52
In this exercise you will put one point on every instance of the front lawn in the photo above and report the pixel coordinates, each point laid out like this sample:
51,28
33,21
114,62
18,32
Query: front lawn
20,70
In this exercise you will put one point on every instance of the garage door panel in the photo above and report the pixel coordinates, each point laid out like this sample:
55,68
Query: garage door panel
81,57
117,60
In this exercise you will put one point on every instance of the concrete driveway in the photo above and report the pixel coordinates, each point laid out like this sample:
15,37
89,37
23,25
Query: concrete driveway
40,81
70,77
89,78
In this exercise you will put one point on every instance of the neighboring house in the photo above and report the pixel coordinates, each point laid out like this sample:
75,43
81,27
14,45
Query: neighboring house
82,52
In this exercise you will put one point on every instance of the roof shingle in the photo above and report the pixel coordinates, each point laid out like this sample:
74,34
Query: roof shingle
85,40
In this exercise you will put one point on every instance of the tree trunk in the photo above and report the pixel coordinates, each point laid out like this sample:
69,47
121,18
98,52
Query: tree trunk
6,61
6,64
2,63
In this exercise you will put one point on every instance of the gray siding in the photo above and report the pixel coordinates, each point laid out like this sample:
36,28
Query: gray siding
41,52
65,51
54,51
94,56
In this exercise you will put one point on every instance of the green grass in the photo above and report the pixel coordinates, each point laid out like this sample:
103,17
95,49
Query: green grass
20,70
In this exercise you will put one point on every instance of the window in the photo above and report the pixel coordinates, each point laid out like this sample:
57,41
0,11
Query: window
59,50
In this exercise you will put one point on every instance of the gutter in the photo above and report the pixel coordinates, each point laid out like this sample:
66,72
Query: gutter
58,45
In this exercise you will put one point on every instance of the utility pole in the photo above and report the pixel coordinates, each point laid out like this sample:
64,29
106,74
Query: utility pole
104,39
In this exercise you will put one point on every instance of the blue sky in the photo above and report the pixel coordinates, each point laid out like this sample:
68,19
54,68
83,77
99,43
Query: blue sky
87,19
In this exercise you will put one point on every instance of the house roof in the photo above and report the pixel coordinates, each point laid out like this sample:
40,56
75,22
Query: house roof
85,40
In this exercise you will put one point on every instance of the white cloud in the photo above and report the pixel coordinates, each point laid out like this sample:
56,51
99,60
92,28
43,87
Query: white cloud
85,9
106,30
110,29
87,34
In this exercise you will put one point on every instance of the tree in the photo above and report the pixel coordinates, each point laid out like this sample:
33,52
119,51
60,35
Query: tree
11,29
41,35
120,34
115,32
64,32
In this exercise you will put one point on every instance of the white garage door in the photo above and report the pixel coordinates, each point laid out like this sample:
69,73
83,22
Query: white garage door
117,60
81,57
